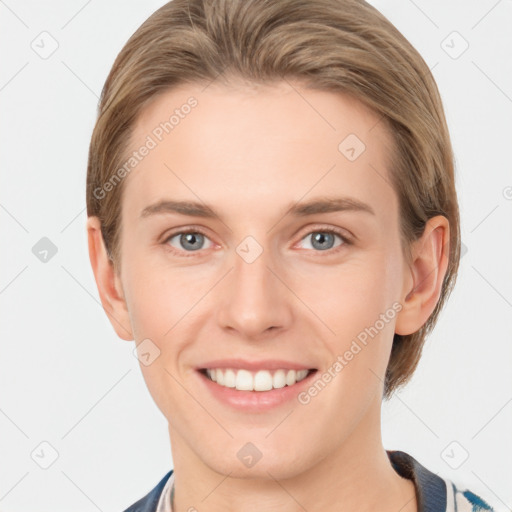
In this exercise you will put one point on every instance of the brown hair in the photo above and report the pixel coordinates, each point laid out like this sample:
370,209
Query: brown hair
343,46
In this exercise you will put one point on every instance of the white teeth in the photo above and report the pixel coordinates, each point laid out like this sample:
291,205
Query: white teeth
279,379
290,377
262,380
244,380
301,374
229,379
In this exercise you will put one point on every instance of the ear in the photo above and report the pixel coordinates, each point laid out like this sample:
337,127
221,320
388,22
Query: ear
424,278
107,281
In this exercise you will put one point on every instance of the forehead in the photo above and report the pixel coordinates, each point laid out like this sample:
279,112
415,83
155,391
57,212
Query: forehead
257,148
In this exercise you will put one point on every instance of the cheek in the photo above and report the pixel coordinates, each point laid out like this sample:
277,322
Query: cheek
160,295
163,303
355,304
348,296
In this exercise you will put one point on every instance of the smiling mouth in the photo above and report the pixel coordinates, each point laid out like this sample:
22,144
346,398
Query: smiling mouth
261,380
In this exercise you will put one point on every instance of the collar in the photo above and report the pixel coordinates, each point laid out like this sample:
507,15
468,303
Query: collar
430,488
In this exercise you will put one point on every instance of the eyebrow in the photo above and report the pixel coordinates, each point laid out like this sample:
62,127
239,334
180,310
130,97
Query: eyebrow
313,207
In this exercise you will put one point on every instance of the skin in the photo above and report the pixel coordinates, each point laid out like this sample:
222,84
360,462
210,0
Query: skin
249,153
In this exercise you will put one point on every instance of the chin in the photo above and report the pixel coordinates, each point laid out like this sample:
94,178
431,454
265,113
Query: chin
262,470
250,462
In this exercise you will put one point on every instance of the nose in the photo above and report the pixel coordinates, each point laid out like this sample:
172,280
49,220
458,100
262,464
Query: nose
254,299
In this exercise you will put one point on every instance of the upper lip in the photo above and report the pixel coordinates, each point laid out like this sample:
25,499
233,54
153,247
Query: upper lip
268,364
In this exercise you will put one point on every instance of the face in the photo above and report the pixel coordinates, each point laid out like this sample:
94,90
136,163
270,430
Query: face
252,279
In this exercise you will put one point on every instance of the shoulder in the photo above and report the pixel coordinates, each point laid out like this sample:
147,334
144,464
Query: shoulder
461,499
149,502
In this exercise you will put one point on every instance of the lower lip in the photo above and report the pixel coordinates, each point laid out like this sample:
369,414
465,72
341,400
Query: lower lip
255,401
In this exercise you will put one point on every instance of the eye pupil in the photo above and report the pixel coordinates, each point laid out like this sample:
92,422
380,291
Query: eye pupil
190,238
320,238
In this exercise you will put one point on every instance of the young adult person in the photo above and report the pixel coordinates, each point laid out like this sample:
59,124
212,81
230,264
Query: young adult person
272,217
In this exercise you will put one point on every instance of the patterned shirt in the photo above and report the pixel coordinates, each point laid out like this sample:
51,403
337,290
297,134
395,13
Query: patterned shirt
433,493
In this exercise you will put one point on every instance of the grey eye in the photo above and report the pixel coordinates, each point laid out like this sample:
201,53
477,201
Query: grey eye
322,240
188,241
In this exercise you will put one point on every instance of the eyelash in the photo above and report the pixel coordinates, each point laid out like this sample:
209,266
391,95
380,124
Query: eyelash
344,238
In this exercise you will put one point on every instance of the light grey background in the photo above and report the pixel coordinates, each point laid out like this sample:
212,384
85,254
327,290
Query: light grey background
67,381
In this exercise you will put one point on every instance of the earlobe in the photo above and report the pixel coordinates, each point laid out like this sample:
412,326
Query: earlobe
424,281
107,281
